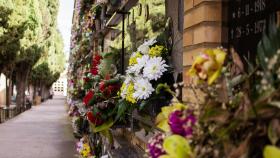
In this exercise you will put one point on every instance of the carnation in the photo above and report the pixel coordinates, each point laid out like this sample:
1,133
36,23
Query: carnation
182,122
155,146
154,68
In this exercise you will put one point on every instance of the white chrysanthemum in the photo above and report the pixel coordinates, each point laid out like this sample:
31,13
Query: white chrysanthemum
145,47
143,89
136,69
154,68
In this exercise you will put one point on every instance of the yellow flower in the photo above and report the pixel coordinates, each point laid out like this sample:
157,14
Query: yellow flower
86,150
208,66
163,116
134,57
129,96
157,51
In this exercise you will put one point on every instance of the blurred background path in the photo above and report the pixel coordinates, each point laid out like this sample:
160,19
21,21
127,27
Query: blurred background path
41,132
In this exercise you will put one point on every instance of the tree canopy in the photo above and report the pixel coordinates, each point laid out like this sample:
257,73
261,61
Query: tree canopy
30,41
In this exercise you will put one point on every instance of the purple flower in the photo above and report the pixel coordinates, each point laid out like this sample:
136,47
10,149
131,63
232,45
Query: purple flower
155,145
182,122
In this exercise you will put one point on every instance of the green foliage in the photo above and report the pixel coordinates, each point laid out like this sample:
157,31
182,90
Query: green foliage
43,74
144,29
10,36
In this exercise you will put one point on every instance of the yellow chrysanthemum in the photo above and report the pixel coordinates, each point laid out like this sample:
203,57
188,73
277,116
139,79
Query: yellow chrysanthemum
130,90
208,66
134,57
86,150
157,51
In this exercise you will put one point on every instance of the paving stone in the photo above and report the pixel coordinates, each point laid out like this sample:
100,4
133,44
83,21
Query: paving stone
42,132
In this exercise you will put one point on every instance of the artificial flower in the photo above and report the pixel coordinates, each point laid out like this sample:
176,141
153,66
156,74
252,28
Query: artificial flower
134,57
136,68
83,148
162,118
94,119
96,60
208,66
94,71
86,79
154,68
143,89
181,122
155,147
145,47
157,51
88,97
176,146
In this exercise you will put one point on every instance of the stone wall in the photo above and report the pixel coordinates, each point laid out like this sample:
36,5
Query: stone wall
203,28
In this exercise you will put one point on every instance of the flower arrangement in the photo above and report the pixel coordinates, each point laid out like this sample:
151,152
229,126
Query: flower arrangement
146,67
239,116
84,149
178,123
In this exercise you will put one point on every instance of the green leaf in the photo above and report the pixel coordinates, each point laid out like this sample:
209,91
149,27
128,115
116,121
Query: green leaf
271,152
123,105
177,146
104,126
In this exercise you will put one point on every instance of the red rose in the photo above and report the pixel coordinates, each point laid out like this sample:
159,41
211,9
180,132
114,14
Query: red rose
96,60
102,86
94,71
88,97
86,79
96,120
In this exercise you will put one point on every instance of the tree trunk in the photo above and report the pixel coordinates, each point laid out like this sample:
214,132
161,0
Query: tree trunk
34,90
9,75
7,93
21,81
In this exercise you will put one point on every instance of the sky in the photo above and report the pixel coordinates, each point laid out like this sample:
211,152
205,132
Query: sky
65,14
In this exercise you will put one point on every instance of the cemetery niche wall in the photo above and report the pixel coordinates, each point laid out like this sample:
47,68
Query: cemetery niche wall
247,20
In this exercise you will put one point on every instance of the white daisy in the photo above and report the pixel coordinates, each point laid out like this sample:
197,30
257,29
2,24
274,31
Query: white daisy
145,47
136,68
154,68
143,89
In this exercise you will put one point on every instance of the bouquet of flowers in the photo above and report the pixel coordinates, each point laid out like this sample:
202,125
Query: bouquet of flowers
100,97
178,122
84,149
148,67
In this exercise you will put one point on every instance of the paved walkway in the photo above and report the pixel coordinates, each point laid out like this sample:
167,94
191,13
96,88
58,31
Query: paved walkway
42,132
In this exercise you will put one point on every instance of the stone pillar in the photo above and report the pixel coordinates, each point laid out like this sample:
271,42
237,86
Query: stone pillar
202,29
